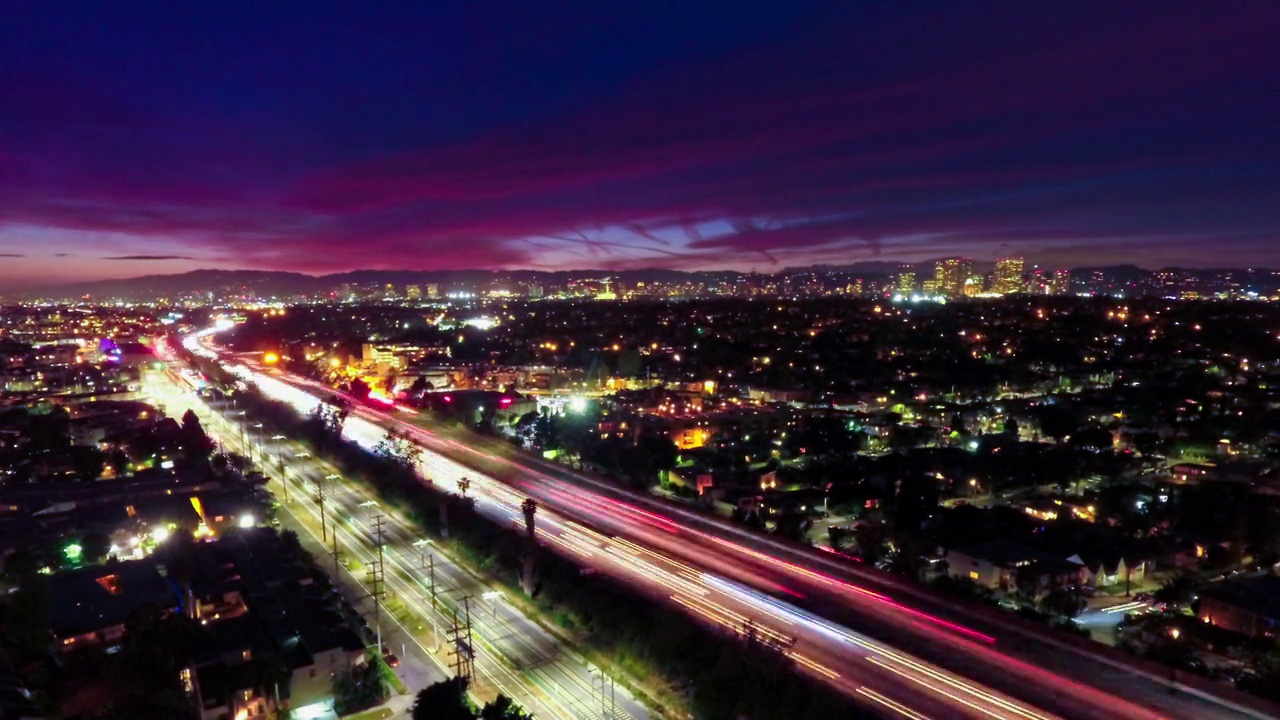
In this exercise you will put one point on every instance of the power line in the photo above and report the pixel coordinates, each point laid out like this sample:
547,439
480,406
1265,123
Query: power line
463,654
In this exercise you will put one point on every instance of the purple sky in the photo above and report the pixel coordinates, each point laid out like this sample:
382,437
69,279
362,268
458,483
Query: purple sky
139,137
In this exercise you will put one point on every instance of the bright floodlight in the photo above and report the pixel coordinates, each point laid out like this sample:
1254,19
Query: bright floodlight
578,404
481,323
160,534
246,521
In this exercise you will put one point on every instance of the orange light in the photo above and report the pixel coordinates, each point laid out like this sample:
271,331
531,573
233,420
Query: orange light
270,358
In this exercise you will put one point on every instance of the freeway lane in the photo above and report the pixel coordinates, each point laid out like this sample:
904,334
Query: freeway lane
701,542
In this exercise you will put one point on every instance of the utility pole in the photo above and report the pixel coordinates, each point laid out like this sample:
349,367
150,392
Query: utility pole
528,582
284,479
463,653
608,695
377,574
320,499
431,570
435,634
335,554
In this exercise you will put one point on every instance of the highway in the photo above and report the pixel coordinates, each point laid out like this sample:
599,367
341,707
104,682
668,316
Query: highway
890,644
515,655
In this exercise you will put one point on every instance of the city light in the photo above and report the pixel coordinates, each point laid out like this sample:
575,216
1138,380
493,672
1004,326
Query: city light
160,534
481,323
246,521
270,358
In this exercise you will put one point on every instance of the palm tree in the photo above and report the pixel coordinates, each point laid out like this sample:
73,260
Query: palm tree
1177,590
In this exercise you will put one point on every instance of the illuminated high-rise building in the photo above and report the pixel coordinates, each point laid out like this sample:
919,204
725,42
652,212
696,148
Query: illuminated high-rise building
973,286
413,292
1061,283
433,291
906,282
1007,278
950,276
1038,283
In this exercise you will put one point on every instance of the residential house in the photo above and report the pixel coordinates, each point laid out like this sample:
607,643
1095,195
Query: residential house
92,605
1008,566
1249,606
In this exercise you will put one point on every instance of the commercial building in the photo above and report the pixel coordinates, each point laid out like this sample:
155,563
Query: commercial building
950,276
906,282
1061,283
1007,278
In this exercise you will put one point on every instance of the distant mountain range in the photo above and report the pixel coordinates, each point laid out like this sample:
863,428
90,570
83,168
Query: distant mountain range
222,284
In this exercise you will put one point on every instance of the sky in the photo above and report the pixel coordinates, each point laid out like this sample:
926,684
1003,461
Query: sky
140,138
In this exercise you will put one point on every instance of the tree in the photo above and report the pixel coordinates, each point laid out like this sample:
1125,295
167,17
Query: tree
1057,422
95,546
87,461
155,647
26,622
1177,590
359,389
660,450
503,708
397,447
1011,427
1063,601
358,688
193,440
20,565
869,539
445,700
119,461
289,539
271,676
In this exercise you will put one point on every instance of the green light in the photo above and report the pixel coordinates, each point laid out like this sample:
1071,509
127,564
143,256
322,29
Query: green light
72,551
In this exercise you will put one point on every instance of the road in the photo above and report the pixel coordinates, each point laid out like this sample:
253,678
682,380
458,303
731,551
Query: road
515,655
888,642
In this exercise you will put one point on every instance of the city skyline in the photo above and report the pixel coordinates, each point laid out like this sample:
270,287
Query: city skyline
673,136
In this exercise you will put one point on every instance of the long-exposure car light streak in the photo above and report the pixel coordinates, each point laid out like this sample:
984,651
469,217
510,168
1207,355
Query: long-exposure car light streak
893,705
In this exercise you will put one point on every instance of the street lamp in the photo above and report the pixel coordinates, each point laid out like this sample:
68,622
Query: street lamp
493,596
320,498
421,544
